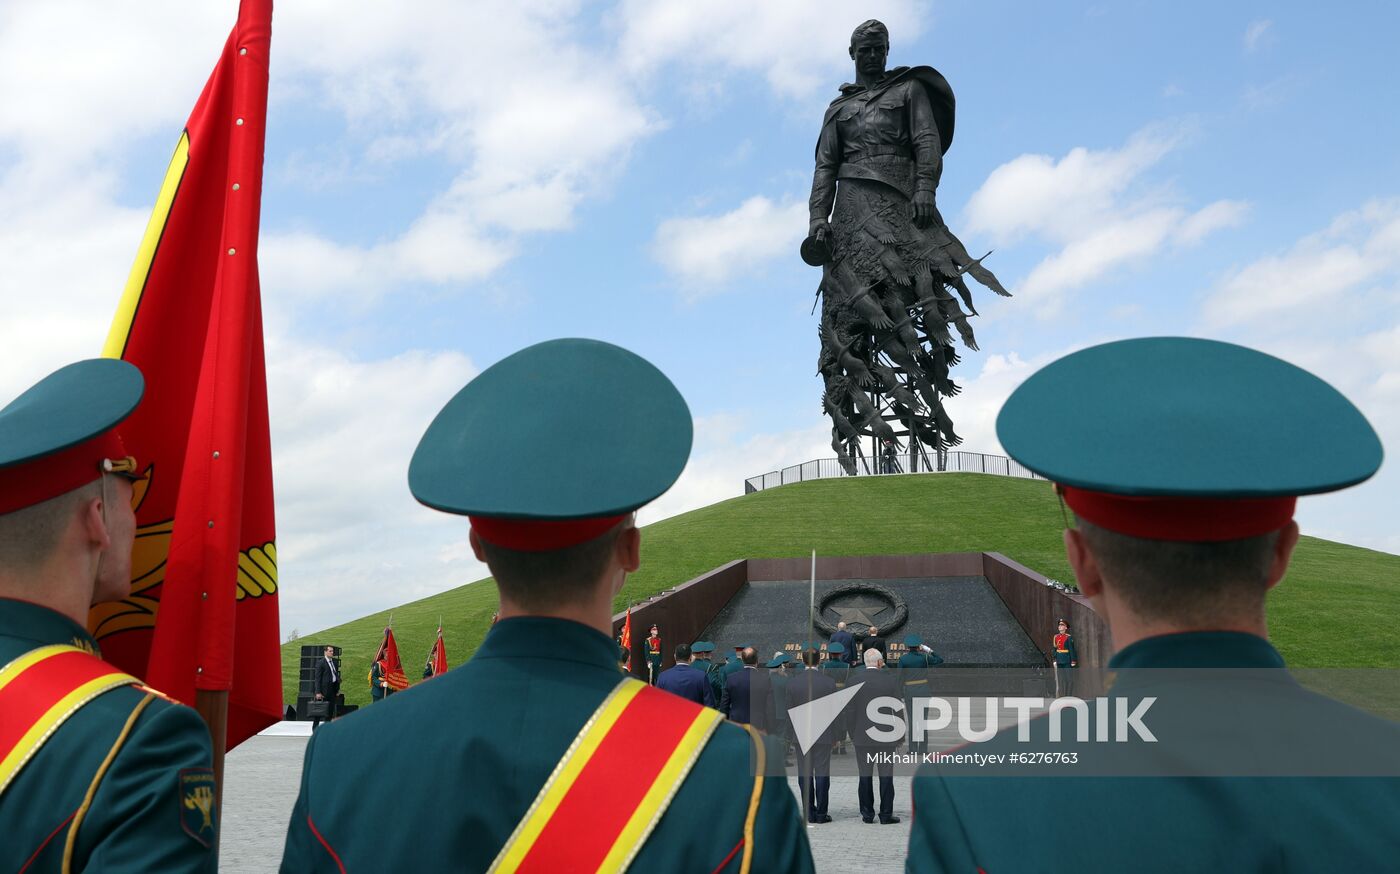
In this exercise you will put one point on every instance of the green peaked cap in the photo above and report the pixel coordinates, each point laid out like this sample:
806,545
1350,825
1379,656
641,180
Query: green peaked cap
74,403
1184,417
562,430
60,433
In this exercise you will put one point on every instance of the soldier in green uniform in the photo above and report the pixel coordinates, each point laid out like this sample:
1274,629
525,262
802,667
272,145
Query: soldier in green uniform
733,663
97,772
1066,659
378,689
654,655
712,670
835,664
913,675
566,765
779,674
836,667
1182,461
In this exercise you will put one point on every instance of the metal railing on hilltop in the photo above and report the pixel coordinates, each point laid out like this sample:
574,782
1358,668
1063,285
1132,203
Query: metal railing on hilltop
947,462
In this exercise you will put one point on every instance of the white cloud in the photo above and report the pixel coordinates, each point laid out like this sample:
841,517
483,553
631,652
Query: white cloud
436,248
1316,273
797,45
67,252
1256,34
351,539
1036,194
75,99
974,411
1330,303
530,122
1121,241
706,252
727,452
1097,207
527,121
1203,222
79,80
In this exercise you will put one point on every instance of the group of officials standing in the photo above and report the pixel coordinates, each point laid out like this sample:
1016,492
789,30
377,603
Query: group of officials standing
762,697
1183,504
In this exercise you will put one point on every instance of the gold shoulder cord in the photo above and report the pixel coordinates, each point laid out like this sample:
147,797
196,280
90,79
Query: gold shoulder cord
69,845
760,766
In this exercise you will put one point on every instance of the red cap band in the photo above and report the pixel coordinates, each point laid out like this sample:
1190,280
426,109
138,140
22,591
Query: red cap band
540,535
33,482
1180,519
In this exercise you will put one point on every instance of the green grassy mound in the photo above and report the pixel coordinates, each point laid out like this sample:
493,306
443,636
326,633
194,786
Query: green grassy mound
1337,607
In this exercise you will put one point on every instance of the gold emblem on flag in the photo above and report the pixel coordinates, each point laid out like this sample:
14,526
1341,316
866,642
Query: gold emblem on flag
257,573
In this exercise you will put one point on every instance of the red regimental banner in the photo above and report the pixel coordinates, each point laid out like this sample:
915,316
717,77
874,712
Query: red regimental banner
202,613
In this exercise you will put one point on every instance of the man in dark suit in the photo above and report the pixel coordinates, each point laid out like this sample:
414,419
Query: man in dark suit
814,763
877,682
686,680
848,643
740,703
874,641
325,685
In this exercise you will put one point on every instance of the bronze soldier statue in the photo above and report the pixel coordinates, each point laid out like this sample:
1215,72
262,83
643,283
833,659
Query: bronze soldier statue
890,266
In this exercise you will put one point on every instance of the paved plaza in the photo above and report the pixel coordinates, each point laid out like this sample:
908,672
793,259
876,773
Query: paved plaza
261,778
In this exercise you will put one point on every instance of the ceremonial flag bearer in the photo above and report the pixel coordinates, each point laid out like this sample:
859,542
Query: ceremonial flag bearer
97,771
547,759
1182,460
913,674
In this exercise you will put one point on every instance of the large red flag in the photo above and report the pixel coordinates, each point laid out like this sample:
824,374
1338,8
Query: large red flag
391,668
438,657
626,640
202,614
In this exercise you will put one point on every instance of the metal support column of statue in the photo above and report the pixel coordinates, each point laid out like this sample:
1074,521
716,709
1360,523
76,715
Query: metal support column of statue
892,273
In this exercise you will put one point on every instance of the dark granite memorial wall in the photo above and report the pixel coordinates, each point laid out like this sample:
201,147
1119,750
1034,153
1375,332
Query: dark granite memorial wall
978,610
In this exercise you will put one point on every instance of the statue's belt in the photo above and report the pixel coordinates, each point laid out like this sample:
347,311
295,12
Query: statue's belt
896,171
878,151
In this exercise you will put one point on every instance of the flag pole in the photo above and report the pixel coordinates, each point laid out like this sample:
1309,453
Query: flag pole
812,603
212,707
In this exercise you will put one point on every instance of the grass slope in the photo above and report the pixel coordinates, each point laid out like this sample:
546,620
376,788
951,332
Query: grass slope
1336,608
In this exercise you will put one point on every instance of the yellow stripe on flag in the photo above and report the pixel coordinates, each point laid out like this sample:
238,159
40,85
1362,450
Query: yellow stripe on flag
663,789
136,281
565,773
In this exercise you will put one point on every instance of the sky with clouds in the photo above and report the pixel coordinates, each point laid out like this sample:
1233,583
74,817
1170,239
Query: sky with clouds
447,182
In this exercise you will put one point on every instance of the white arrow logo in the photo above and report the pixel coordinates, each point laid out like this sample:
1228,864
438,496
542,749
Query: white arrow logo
811,719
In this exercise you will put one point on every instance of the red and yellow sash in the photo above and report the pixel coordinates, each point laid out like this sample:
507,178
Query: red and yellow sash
41,689
612,785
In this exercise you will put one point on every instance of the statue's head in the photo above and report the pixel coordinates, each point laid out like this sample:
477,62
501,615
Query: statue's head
870,47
